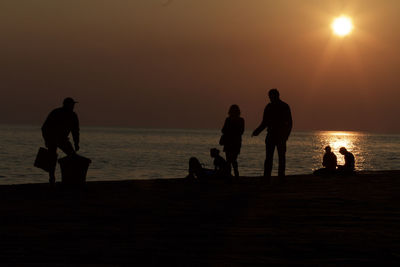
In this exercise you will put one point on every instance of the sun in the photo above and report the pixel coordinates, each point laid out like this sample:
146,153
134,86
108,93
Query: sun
342,26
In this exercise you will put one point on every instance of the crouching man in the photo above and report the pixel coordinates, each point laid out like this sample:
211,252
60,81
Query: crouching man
55,130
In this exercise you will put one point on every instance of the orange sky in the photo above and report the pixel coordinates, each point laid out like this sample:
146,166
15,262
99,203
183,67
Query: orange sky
145,63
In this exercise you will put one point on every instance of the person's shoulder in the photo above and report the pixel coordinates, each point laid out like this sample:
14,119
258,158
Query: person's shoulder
268,106
283,103
59,109
56,111
236,119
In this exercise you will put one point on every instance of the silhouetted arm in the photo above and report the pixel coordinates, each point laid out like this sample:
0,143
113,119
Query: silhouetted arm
263,124
241,126
289,122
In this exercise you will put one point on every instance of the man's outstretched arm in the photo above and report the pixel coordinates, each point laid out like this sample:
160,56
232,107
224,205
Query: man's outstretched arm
263,125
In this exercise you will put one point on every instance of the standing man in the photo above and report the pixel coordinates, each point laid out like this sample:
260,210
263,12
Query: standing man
56,129
278,121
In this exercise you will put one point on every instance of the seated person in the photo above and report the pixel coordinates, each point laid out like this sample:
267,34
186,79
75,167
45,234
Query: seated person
329,162
196,170
221,168
349,161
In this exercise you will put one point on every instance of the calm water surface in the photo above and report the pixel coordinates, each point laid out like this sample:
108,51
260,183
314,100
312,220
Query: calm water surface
128,153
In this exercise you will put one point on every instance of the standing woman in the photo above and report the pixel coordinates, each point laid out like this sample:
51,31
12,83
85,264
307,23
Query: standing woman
232,137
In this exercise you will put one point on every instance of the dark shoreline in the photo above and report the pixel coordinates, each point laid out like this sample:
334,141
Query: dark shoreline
307,220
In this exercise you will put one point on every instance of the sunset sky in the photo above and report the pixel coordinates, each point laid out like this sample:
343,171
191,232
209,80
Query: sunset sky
182,63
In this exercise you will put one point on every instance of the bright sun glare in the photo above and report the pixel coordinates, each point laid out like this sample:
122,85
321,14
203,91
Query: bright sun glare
342,26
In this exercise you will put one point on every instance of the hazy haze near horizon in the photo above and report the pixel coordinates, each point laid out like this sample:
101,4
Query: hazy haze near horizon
153,63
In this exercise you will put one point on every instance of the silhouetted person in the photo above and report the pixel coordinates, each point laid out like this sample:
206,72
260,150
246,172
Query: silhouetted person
329,162
232,137
277,119
56,129
221,168
195,169
349,161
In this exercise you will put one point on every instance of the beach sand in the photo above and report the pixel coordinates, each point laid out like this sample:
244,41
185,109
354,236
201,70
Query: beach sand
306,220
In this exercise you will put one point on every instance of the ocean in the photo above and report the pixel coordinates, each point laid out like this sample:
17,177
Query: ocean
132,153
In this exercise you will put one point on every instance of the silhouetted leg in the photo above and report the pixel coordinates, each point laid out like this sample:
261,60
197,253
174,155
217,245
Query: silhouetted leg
235,168
281,147
269,156
228,156
231,158
67,148
52,147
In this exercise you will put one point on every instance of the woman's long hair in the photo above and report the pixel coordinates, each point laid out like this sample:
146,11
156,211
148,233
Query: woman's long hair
234,111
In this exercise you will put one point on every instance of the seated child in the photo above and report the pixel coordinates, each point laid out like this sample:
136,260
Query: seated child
221,168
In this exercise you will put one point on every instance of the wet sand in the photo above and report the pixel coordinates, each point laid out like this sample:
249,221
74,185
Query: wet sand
307,220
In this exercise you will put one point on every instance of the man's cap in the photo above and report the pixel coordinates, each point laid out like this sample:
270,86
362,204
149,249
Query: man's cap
69,100
342,150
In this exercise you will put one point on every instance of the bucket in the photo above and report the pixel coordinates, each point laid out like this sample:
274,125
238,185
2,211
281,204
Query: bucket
74,169
42,160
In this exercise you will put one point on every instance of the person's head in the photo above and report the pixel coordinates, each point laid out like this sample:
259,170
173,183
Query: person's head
194,164
328,149
342,150
234,111
69,103
273,95
214,152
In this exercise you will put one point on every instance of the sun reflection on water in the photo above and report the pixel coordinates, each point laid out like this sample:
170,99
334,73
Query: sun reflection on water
352,141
